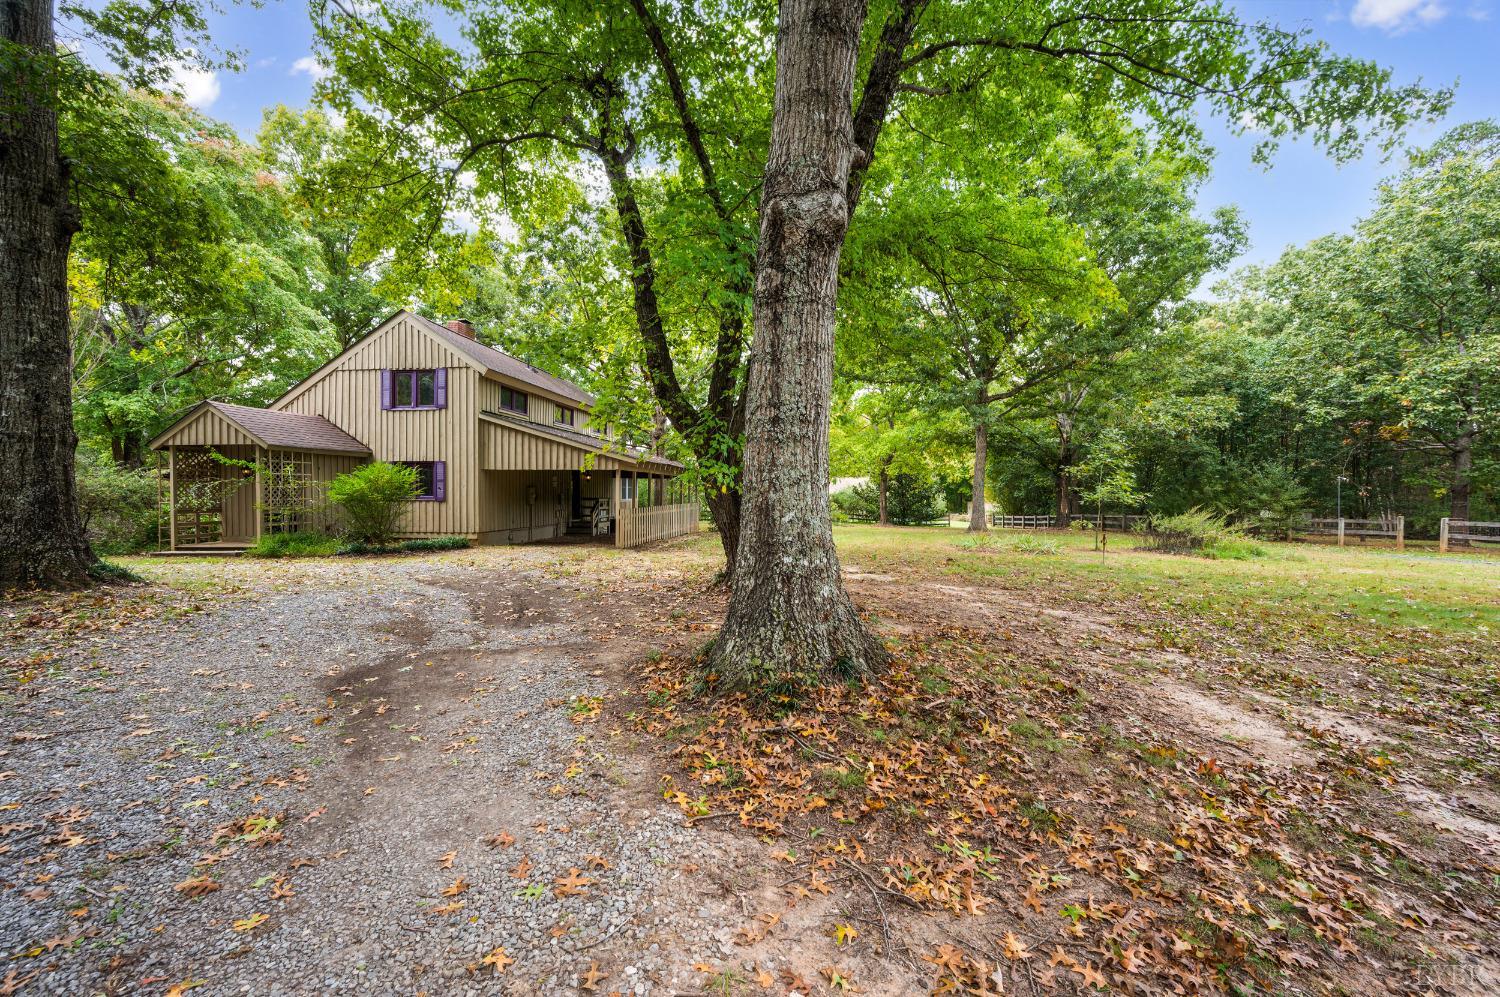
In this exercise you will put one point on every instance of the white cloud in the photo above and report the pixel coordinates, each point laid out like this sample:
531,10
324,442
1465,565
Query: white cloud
1396,15
197,87
312,67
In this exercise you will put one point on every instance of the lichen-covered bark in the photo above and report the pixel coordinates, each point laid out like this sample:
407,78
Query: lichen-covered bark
42,541
790,622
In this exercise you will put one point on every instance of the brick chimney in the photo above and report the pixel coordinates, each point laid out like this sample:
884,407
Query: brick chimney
462,326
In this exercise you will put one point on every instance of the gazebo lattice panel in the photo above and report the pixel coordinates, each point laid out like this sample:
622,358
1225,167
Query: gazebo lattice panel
292,498
203,483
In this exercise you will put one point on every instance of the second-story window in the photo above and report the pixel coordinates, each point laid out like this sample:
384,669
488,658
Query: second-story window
564,416
512,400
414,389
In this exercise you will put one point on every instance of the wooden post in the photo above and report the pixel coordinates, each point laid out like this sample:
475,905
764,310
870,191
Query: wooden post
1443,535
614,509
172,496
260,498
1400,532
1341,533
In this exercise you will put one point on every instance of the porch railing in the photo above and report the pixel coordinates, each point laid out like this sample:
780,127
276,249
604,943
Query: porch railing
635,526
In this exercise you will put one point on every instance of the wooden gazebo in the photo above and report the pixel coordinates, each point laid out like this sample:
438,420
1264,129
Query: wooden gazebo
236,473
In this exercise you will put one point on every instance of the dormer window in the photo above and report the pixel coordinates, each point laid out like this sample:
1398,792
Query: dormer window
414,389
564,416
512,400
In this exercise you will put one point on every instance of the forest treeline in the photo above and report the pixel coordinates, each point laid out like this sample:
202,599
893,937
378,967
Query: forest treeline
1040,313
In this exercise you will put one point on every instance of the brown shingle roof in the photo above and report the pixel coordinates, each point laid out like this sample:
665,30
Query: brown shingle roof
584,441
290,430
503,363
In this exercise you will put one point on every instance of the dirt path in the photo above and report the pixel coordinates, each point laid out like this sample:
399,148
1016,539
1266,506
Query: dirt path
375,781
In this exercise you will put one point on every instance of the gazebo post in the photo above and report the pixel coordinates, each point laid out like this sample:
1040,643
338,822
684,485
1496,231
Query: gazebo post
260,497
172,496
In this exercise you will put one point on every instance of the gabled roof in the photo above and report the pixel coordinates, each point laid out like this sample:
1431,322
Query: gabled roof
506,365
276,430
583,441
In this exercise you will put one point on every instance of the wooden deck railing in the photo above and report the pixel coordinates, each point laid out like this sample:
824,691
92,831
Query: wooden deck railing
635,526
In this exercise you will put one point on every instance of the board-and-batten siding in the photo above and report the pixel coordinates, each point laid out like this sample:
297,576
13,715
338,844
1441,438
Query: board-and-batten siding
208,429
539,408
347,394
521,506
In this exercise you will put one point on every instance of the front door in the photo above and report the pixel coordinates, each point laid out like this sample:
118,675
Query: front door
577,510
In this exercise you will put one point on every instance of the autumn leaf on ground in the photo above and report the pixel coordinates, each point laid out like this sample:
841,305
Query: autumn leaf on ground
446,909
840,980
499,959
571,884
458,886
592,978
1091,976
251,923
500,840
522,869
843,934
14,981
281,889
1014,948
181,988
196,886
446,862
597,862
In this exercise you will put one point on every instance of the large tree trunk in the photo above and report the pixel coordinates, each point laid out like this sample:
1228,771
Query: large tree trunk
884,491
724,509
977,521
42,541
1063,474
1461,486
790,622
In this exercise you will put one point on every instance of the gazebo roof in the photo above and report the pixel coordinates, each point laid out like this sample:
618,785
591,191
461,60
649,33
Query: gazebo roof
221,424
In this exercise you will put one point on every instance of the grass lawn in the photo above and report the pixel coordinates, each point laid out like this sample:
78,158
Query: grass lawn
1369,595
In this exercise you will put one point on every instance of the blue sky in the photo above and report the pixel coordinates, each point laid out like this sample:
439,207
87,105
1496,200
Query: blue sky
1302,196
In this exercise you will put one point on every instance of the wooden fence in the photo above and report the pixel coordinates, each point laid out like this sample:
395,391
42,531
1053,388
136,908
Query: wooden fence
1022,522
635,526
1465,531
1118,523
1362,528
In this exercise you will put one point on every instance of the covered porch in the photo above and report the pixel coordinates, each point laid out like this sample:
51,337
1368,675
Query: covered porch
580,486
236,473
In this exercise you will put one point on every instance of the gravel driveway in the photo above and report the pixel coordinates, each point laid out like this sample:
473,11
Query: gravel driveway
383,776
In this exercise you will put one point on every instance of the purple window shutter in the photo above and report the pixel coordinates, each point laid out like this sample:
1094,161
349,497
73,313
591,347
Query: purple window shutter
385,389
439,480
440,387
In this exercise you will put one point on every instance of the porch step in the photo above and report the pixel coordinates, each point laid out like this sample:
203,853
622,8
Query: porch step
221,549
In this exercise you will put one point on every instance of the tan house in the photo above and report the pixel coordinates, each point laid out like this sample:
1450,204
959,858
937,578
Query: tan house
505,452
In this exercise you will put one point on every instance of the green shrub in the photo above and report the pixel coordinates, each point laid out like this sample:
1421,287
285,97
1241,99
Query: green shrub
118,506
910,500
436,543
1272,503
1200,532
406,546
372,499
111,573
298,544
1035,545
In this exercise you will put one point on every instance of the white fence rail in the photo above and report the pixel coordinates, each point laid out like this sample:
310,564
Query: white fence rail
1465,531
635,526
